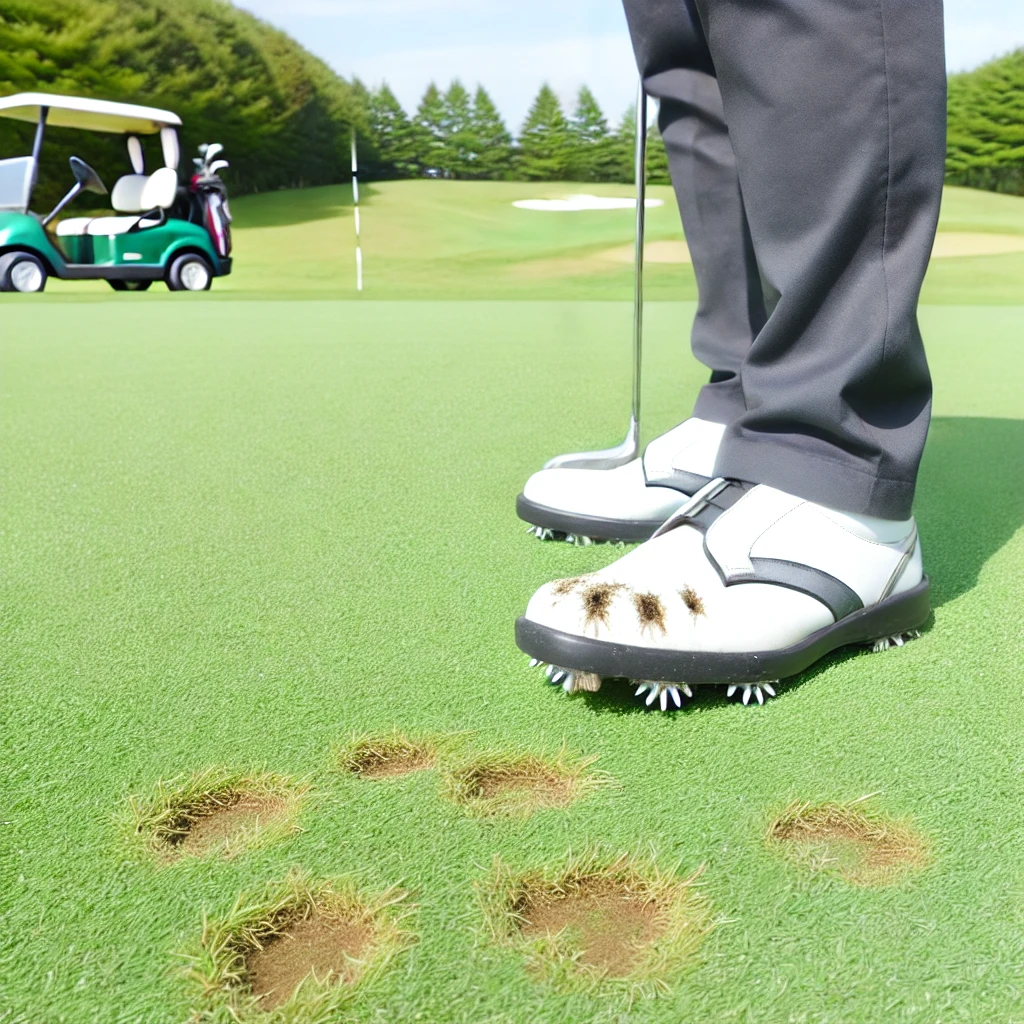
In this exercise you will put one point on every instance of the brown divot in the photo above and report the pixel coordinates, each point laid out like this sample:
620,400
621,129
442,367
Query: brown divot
215,810
593,920
861,849
500,784
239,813
607,924
332,949
387,757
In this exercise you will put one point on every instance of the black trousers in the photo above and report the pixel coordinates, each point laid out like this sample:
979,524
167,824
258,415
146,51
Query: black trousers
806,143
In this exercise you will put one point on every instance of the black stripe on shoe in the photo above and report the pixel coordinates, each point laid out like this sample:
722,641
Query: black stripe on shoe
898,614
597,527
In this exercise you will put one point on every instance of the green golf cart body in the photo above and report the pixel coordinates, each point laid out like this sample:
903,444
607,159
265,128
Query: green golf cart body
141,245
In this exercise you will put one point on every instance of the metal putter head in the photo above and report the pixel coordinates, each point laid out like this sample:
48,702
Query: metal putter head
629,449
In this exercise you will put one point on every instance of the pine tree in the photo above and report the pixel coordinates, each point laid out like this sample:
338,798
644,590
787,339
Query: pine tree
491,139
430,128
657,158
588,137
394,133
985,147
544,144
621,159
620,149
461,149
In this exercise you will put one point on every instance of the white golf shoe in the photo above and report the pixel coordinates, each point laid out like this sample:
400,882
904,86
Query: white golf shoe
743,586
628,503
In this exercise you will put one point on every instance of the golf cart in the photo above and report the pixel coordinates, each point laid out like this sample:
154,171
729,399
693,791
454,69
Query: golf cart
161,232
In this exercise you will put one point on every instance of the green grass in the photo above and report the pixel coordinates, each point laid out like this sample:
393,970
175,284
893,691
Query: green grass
236,533
465,240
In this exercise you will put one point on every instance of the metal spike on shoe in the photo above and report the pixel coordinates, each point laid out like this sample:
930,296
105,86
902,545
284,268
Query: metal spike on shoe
662,693
570,680
894,640
752,691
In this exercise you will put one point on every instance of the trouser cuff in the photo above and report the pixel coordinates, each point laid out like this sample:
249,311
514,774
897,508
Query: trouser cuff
846,487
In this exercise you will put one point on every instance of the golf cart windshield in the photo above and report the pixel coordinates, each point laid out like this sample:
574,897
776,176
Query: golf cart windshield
16,183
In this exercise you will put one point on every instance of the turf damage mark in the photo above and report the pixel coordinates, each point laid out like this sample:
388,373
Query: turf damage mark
298,950
519,784
862,848
597,602
316,945
650,611
386,757
600,921
216,811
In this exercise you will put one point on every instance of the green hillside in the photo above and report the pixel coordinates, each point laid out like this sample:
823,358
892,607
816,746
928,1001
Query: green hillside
283,116
425,239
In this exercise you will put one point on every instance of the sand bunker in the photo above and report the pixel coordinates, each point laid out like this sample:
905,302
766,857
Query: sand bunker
654,252
947,244
975,243
573,204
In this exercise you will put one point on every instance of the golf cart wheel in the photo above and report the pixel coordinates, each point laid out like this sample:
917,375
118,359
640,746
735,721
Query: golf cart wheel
129,286
190,273
22,272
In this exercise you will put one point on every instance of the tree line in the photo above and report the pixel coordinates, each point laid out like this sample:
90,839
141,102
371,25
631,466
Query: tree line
985,146
458,134
284,117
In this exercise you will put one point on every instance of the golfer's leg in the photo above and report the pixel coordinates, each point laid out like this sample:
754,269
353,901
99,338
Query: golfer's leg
673,58
836,111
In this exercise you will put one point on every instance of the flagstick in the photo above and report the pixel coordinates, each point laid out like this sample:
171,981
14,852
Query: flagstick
355,200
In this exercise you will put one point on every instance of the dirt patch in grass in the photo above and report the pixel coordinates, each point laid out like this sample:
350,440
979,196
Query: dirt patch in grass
520,784
597,920
240,813
216,810
387,757
298,949
331,949
607,923
860,847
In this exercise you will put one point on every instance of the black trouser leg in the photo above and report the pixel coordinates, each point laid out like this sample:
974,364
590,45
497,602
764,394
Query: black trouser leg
836,111
673,58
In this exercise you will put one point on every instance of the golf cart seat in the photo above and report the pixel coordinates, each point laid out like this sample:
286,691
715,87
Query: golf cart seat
133,193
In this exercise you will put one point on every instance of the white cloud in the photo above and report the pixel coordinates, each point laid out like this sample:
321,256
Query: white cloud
513,72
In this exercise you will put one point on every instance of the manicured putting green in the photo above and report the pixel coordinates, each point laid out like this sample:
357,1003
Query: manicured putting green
237,533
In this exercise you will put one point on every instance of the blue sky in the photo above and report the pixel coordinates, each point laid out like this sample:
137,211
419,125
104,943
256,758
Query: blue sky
512,46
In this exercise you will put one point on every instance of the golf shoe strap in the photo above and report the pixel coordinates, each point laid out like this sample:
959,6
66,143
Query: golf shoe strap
846,562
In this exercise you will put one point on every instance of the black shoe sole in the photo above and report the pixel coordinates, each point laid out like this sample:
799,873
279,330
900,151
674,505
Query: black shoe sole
595,527
895,615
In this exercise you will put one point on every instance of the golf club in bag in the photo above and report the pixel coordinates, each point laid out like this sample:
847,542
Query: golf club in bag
207,197
629,449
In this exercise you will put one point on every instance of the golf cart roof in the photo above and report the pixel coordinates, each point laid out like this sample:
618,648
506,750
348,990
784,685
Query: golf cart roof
87,114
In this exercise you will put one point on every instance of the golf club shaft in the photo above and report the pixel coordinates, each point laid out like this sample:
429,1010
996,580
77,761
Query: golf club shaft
638,271
629,449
